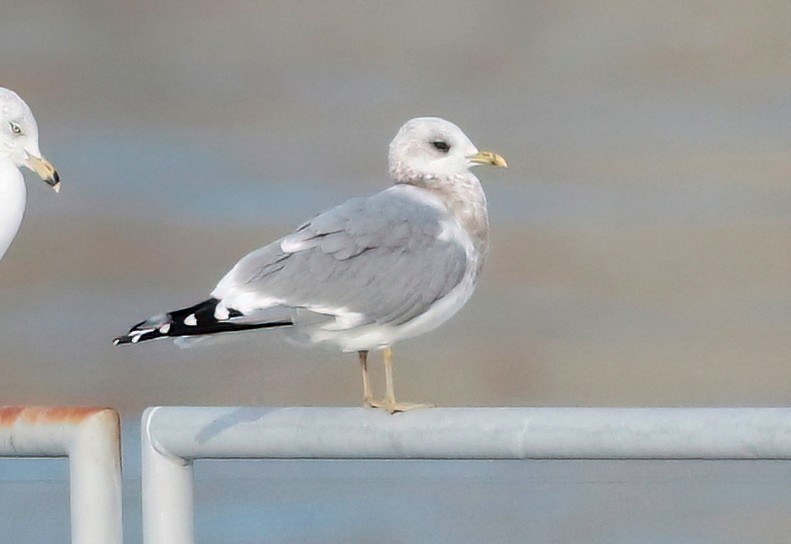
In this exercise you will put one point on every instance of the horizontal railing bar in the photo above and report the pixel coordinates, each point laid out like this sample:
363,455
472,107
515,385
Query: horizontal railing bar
470,433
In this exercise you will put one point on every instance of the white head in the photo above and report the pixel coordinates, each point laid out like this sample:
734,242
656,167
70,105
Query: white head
429,148
19,137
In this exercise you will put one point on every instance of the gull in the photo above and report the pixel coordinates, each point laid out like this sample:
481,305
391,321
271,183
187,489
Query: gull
367,273
18,147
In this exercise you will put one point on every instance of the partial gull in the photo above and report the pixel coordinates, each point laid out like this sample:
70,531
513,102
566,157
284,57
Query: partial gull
368,273
18,147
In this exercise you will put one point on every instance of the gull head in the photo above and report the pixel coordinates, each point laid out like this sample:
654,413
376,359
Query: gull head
19,137
430,148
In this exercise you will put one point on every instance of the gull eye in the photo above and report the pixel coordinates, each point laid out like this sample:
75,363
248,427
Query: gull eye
442,146
15,128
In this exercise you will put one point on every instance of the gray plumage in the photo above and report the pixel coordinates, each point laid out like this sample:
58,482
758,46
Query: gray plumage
380,257
367,273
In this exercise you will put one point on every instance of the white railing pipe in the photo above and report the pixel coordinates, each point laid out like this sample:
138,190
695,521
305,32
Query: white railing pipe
175,436
90,438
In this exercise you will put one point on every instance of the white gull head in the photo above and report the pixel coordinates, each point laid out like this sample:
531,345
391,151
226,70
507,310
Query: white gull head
430,148
19,137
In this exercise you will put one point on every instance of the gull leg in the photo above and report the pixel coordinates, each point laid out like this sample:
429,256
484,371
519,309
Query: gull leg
389,403
368,397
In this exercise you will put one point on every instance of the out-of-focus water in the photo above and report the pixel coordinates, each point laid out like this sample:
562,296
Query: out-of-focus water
641,244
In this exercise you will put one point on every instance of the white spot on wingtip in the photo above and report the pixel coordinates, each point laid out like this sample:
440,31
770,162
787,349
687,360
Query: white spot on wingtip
221,312
135,339
164,329
191,320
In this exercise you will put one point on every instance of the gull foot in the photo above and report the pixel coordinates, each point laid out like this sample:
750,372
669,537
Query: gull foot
393,406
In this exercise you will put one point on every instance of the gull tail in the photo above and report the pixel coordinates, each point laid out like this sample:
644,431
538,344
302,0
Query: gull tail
206,318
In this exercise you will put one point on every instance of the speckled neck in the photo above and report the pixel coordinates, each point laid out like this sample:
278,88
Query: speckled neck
464,197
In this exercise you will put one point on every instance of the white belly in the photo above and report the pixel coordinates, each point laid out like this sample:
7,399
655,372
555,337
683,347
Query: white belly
13,197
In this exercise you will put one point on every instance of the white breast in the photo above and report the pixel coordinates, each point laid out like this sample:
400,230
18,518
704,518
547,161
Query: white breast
13,197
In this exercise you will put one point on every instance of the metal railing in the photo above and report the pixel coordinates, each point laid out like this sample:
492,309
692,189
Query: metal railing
173,437
90,438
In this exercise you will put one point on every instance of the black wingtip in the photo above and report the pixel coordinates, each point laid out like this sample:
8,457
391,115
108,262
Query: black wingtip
145,330
198,320
131,339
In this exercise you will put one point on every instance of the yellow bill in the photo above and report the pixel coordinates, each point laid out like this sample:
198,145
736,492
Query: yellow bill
488,158
45,170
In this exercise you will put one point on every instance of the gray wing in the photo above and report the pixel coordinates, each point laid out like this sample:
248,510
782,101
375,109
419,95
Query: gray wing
386,258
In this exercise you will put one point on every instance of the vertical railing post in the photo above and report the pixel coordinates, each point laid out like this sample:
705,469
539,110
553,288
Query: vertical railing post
95,480
91,439
167,492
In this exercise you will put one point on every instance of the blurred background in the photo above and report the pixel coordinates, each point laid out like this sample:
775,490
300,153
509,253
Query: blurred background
641,237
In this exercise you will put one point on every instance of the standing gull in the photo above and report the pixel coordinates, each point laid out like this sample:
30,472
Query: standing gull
368,273
18,147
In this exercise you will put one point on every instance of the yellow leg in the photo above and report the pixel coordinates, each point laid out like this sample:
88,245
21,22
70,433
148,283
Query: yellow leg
389,388
368,397
389,403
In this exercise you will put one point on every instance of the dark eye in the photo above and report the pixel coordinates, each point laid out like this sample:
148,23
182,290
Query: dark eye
442,146
16,129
